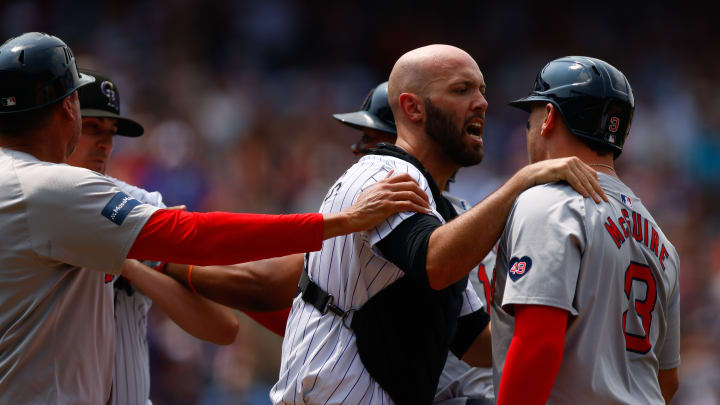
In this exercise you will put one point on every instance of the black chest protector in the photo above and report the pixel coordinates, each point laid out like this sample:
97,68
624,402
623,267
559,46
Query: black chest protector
404,331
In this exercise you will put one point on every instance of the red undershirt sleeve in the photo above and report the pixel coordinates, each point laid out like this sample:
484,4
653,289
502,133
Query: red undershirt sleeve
274,321
218,238
536,350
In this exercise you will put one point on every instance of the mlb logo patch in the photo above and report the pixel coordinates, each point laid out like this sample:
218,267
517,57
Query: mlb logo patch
626,200
118,208
109,278
8,102
519,267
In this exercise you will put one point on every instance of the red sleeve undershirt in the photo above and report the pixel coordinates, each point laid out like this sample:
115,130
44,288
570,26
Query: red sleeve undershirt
218,238
275,321
534,356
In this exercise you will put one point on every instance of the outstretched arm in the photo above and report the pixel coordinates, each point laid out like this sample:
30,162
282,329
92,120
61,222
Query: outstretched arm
264,285
458,246
224,238
198,316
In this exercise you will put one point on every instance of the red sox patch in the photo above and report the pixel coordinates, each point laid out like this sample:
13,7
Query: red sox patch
519,267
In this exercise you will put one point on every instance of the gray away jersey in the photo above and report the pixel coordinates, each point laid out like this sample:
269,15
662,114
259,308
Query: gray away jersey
131,374
62,228
459,381
320,362
612,268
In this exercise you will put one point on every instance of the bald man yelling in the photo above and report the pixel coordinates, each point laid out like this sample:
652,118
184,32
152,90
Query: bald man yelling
380,309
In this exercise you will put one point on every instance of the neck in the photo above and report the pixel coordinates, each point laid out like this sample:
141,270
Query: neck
44,148
570,145
434,160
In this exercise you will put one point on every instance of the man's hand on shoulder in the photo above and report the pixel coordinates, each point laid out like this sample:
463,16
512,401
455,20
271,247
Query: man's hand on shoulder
388,196
574,171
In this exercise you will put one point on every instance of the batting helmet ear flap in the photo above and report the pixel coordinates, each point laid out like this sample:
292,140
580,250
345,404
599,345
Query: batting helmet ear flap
594,98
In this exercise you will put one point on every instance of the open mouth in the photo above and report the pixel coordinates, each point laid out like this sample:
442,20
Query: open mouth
475,130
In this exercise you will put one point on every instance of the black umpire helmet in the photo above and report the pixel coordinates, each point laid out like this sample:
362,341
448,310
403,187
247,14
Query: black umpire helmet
375,112
36,70
594,98
101,99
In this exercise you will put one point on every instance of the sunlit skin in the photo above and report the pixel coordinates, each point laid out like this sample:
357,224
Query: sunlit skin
95,144
451,81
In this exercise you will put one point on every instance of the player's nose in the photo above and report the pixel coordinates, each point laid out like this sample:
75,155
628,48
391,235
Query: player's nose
479,102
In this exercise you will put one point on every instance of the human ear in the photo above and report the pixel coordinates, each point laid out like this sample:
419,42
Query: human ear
550,119
411,106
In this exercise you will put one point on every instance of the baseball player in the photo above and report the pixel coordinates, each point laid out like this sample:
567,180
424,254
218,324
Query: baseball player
245,286
380,309
586,298
459,383
63,227
101,122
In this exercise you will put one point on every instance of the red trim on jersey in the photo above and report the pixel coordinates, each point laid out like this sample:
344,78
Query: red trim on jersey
274,321
218,238
534,356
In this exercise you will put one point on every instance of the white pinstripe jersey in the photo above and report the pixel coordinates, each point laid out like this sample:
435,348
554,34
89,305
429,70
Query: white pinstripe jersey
612,268
320,362
131,375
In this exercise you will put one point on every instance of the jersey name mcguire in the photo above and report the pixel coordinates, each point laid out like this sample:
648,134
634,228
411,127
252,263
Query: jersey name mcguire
631,226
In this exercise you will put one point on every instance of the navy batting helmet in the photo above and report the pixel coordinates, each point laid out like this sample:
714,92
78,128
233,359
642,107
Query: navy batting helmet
36,70
594,98
375,112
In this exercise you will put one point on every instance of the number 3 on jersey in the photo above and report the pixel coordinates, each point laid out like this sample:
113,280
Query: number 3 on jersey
643,308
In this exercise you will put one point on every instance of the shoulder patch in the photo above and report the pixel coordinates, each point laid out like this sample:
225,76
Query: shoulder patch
118,208
519,267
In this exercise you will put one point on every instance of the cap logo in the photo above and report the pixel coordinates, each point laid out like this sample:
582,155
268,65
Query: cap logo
8,101
108,89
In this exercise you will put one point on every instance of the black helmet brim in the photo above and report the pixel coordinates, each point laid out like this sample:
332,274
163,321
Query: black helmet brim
364,119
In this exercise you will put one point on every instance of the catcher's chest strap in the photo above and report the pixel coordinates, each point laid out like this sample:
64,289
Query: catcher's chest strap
322,301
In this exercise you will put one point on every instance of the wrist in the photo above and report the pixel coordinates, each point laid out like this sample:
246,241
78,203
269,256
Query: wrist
336,224
522,180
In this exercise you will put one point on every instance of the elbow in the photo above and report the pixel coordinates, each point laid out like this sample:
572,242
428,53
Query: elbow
437,282
442,275
438,276
228,332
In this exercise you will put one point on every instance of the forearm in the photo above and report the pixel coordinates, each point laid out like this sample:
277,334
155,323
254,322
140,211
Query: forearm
480,352
198,316
669,383
458,246
537,349
265,285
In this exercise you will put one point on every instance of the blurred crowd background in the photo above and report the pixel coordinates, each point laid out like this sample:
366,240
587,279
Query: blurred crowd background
236,99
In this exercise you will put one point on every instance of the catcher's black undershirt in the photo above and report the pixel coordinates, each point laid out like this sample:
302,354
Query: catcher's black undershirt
406,247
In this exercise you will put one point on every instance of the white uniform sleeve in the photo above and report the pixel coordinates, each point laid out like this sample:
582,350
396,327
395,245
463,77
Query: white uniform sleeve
140,194
79,217
471,301
670,355
545,240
